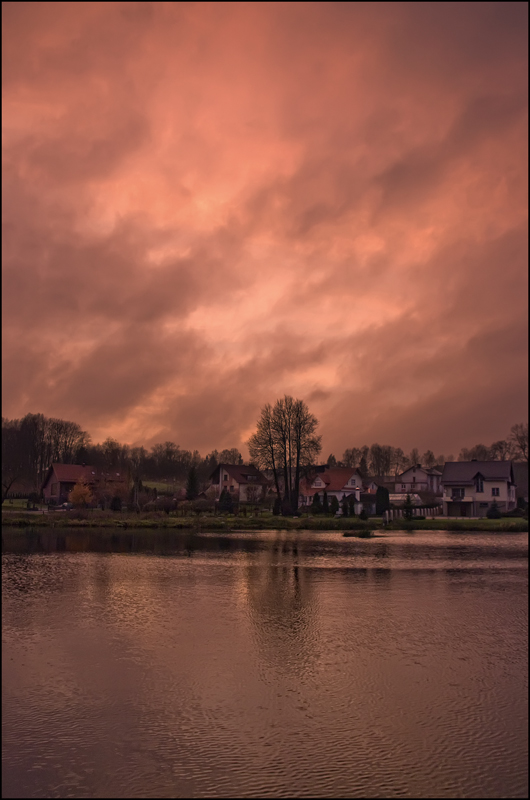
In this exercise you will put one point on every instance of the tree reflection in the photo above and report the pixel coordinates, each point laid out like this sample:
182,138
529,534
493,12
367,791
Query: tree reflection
282,607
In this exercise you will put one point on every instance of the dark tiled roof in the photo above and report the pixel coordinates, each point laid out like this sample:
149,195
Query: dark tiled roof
465,471
241,473
71,473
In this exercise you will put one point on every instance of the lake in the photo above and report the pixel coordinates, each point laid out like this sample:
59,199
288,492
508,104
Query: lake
269,664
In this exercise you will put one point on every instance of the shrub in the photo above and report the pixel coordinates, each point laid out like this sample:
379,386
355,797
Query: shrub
493,511
115,503
334,505
363,515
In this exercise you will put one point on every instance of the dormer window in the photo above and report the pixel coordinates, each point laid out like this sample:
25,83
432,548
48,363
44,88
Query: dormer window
479,484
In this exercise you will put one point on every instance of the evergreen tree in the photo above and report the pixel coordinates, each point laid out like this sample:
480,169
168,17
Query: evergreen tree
316,507
334,505
344,506
363,467
363,515
351,505
277,507
408,508
192,484
325,503
382,500
225,502
493,511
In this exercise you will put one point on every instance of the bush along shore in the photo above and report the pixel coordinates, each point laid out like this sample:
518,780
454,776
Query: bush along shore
349,525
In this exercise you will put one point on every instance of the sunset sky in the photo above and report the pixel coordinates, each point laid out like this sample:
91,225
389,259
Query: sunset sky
208,206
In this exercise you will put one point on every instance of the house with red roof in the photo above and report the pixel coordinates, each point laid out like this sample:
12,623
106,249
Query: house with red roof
60,479
245,483
339,482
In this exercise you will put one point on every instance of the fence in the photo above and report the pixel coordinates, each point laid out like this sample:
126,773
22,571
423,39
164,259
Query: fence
397,513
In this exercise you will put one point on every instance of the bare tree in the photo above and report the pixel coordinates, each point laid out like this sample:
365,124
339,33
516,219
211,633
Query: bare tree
501,450
414,457
519,439
428,459
380,459
232,456
477,453
262,447
285,442
351,457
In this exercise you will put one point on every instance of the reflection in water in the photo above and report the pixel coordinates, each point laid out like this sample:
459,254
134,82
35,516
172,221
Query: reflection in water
155,664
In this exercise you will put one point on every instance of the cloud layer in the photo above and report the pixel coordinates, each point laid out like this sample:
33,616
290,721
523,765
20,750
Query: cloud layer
207,206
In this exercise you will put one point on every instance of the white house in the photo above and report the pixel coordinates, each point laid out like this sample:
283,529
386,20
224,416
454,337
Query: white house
245,483
419,479
470,487
339,482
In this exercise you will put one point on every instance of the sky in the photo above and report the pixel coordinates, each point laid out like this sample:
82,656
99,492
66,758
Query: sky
209,206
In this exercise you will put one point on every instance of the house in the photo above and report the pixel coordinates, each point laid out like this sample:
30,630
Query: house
245,483
470,487
60,479
339,482
419,479
371,484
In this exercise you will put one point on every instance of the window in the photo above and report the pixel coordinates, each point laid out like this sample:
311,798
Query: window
479,485
495,491
457,493
225,478
232,488
403,485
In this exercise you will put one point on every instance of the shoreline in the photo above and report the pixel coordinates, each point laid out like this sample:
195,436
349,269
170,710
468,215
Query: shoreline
349,527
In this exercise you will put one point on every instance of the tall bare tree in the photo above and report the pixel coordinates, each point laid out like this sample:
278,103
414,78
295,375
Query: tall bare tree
519,439
285,442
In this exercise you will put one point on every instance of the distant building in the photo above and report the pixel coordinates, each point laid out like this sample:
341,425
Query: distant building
470,487
419,479
339,482
60,479
245,483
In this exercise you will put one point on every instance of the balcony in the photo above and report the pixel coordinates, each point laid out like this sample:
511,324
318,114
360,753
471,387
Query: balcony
457,498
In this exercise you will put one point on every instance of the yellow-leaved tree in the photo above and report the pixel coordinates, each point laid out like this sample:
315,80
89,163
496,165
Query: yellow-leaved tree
81,495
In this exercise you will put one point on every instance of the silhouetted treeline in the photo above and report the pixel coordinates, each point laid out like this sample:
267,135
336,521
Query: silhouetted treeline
31,444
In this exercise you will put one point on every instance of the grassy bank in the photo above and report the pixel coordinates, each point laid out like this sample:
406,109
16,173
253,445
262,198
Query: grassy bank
107,519
503,525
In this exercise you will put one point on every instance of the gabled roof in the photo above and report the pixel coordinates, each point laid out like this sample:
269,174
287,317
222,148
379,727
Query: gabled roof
334,478
241,473
381,480
71,473
466,471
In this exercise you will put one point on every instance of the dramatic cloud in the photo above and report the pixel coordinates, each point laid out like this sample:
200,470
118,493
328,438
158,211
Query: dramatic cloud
207,206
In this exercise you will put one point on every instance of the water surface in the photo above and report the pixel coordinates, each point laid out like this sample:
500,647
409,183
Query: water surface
155,664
